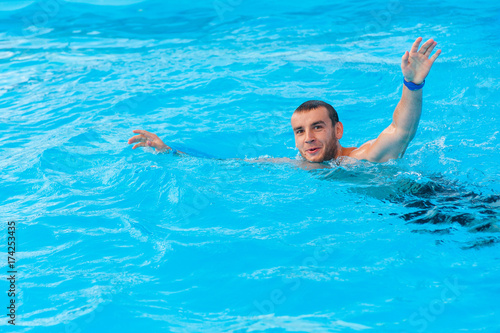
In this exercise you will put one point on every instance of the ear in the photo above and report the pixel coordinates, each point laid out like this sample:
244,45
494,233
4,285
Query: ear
339,130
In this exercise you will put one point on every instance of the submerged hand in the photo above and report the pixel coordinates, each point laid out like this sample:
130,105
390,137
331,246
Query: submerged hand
147,139
416,64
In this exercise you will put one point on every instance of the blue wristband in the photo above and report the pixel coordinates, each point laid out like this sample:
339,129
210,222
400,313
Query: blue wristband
413,86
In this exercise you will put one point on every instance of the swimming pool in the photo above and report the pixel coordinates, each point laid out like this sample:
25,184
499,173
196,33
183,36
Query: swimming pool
114,240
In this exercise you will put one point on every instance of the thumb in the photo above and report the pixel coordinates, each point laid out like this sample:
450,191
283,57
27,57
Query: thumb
405,57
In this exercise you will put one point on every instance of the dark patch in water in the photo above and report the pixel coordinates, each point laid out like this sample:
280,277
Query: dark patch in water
492,199
446,231
420,204
484,227
482,242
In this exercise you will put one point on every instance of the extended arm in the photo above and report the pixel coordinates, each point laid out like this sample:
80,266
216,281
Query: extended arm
392,142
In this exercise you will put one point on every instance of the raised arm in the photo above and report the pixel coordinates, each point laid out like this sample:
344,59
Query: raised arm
394,140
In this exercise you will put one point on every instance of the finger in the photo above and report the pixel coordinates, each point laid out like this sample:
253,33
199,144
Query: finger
426,45
414,47
137,138
140,144
146,134
143,132
430,48
405,58
436,55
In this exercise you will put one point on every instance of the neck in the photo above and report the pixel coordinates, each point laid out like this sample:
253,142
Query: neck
340,150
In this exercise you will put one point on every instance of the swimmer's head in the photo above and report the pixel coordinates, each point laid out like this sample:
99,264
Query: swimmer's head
314,104
317,131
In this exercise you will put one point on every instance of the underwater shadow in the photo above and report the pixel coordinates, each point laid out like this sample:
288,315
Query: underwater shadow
432,200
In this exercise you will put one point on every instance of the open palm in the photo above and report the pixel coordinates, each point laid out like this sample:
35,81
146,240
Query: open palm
416,64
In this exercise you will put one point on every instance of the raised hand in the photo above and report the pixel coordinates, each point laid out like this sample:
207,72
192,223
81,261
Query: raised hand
147,139
416,64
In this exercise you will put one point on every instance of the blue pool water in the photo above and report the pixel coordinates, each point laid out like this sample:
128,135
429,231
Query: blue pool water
111,239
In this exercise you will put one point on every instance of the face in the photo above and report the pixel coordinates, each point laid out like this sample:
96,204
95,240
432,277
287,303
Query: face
315,136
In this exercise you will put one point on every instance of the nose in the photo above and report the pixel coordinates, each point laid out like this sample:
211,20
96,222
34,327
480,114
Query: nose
309,136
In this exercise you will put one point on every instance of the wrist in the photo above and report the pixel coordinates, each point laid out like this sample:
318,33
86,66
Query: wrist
413,81
162,148
412,85
169,150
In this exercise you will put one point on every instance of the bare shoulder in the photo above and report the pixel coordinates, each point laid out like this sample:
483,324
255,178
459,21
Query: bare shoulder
361,152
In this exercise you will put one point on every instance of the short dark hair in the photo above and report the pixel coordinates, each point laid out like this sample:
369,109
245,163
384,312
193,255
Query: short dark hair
314,104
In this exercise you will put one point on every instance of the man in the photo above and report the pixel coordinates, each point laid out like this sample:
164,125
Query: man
318,130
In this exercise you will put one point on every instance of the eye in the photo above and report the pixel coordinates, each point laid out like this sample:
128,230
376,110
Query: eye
318,127
299,131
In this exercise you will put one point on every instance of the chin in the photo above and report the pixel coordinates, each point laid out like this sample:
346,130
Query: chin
316,159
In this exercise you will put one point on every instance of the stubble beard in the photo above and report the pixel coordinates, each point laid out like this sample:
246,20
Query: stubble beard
330,152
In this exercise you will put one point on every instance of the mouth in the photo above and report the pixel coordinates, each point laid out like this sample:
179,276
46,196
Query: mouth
313,151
